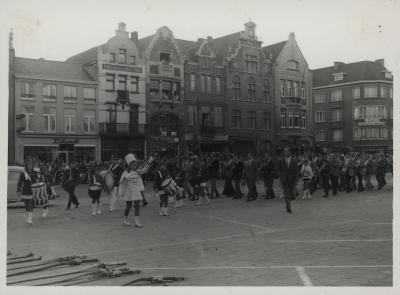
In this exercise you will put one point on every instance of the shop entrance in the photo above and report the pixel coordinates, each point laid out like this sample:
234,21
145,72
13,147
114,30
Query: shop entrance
66,153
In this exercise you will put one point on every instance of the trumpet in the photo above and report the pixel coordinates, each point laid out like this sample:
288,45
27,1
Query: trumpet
147,162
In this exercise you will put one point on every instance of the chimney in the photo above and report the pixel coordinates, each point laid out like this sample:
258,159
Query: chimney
336,64
200,40
209,38
292,36
134,36
10,40
381,61
122,27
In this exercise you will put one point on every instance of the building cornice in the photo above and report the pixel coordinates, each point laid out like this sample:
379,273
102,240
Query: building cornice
352,83
18,76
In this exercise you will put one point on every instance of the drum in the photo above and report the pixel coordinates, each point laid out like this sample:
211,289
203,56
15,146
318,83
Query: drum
109,180
94,191
40,195
169,186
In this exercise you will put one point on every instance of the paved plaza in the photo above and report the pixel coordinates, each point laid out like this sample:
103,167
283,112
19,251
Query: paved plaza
345,240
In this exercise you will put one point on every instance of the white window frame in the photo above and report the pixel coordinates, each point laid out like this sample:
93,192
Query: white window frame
192,82
320,136
47,92
302,90
69,97
338,77
217,85
27,115
49,117
319,97
356,91
340,138
371,94
320,116
283,118
27,94
291,119
87,119
85,91
336,95
339,117
69,125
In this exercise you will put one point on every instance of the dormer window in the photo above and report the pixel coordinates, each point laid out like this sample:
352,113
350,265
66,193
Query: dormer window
112,57
338,77
122,56
165,58
388,75
293,65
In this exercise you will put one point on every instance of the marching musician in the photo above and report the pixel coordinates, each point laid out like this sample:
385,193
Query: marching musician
95,185
116,169
41,178
160,175
130,187
24,189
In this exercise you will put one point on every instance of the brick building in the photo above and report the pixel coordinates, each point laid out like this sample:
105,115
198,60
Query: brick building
249,92
353,106
164,92
293,95
119,68
204,101
56,111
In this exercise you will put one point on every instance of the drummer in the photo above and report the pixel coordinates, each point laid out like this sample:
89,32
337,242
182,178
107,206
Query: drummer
24,189
95,185
40,178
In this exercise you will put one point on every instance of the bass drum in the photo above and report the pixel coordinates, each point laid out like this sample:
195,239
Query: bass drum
109,180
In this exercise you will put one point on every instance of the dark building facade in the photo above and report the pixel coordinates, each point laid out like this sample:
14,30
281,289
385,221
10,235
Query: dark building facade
353,107
293,95
164,92
249,92
204,102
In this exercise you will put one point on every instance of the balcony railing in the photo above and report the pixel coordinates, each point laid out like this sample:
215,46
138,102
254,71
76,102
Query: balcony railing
118,129
210,130
167,70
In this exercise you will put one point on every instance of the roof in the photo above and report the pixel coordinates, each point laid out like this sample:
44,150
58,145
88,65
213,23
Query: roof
48,69
222,44
274,50
144,42
357,71
186,46
85,57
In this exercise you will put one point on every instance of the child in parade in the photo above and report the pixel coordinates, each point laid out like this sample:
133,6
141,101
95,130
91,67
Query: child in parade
130,187
95,185
24,190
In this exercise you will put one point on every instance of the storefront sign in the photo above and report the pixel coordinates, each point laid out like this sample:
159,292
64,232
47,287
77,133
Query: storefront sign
66,140
122,68
371,121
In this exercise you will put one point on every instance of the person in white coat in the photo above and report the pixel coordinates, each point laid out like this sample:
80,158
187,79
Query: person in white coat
130,186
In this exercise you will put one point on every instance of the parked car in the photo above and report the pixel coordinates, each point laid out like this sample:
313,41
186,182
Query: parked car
13,176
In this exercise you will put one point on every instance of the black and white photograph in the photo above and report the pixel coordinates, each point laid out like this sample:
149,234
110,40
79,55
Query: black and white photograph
199,143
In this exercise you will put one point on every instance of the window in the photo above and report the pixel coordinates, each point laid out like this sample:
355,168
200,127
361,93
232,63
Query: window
202,84
236,119
320,116
337,115
218,117
176,91
283,118
293,65
251,88
391,93
283,88
337,135
122,56
112,57
296,88
251,120
49,116
382,112
336,95
303,90
155,89
388,75
190,115
69,120
319,97
291,121
371,133
89,121
165,58
356,92
27,90
132,60
122,82
29,112
383,92
70,93
251,63
208,85
50,91
217,85
89,93
236,88
296,119
304,119
166,90
338,77
320,135
134,84
266,120
289,88
267,92
110,82
370,91
192,83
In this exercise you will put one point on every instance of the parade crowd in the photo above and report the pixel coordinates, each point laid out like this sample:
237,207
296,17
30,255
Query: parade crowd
195,178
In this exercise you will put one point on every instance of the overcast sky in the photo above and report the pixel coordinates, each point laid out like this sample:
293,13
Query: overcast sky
326,31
